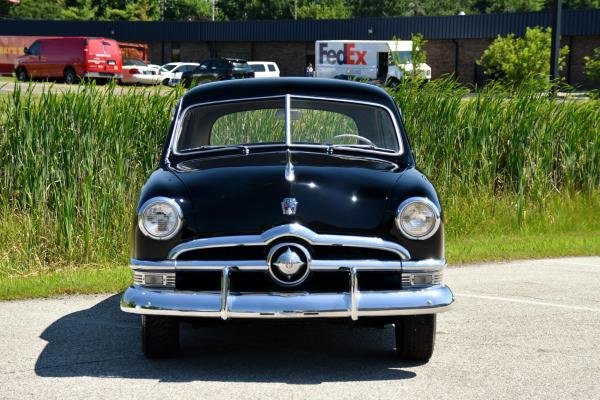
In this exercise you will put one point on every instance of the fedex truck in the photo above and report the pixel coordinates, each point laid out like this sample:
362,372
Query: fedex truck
384,60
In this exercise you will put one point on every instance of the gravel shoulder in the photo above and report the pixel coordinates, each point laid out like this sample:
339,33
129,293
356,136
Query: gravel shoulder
519,330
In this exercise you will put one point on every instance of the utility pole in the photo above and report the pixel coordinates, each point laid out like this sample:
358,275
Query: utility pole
555,45
295,9
213,4
162,42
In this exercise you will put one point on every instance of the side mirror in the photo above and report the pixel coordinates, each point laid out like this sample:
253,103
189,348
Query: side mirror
26,50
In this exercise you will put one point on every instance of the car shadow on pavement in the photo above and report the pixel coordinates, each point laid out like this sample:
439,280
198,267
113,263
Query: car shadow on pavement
102,341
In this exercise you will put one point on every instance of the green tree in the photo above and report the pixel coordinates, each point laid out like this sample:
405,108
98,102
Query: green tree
394,8
132,10
79,10
37,9
498,6
324,9
179,10
592,65
578,4
521,60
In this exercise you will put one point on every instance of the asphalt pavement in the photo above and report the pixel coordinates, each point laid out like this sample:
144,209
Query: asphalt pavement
518,330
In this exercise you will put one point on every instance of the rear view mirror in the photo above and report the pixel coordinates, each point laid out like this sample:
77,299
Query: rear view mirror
295,115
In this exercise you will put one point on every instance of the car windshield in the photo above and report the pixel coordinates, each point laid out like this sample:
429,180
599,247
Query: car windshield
257,67
241,66
401,57
134,61
311,121
168,67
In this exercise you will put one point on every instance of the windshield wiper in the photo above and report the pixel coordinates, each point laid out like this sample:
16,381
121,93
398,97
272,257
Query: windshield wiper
331,147
245,149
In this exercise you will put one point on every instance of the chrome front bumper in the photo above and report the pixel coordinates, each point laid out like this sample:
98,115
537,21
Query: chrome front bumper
139,300
437,298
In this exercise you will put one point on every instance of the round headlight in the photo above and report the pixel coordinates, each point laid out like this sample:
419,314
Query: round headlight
160,218
418,218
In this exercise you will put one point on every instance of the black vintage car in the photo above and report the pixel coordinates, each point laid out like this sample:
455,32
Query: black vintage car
217,69
288,198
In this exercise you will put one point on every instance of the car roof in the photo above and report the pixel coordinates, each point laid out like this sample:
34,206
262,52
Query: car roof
261,62
181,63
311,87
238,60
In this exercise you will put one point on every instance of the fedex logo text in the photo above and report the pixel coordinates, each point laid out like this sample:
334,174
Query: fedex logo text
346,56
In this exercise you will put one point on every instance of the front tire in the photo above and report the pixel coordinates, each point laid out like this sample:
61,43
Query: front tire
22,75
69,76
160,336
415,337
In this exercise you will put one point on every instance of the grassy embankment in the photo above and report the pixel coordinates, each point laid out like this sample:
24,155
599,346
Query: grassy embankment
519,176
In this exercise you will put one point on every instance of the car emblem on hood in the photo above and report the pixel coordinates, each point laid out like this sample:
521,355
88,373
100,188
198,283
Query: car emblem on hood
289,205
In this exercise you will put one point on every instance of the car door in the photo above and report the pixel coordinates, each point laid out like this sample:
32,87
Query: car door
204,70
218,70
33,63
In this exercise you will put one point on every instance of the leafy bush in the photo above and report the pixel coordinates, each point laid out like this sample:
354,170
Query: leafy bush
592,70
517,61
418,56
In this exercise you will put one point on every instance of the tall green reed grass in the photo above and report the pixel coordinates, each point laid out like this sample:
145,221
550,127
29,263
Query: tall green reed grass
71,168
71,164
519,143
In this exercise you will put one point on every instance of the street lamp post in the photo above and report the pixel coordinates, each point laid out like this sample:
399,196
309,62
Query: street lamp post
555,45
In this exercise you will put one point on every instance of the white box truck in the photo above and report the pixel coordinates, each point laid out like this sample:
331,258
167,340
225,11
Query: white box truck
383,60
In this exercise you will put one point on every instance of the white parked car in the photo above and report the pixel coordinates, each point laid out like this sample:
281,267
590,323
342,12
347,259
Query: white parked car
264,69
138,72
171,72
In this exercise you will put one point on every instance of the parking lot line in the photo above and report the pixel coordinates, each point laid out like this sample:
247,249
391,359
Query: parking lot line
531,302
568,263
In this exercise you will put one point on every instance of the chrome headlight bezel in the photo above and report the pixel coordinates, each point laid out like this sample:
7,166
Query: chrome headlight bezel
164,201
425,202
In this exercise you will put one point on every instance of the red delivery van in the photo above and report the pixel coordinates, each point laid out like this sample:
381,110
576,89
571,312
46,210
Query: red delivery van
70,58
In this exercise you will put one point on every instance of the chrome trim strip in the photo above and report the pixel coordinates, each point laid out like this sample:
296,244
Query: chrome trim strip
294,230
424,265
288,120
430,265
431,300
224,292
182,113
360,265
354,293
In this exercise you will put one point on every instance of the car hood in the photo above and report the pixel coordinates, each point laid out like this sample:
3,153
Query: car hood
243,194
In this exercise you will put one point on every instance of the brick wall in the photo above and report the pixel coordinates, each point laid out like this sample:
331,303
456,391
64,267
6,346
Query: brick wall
289,56
441,57
580,47
194,52
233,49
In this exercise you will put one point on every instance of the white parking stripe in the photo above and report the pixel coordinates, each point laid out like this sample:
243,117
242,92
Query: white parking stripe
532,302
567,263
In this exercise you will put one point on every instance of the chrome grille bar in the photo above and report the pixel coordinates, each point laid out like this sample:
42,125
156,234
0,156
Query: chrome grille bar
290,230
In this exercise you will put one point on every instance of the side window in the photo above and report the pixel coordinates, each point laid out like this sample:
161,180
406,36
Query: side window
272,68
35,49
106,47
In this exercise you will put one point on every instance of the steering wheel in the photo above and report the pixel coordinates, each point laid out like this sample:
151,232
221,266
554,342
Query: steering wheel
350,135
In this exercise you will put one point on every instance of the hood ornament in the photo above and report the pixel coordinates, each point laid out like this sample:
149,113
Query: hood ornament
290,176
289,206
